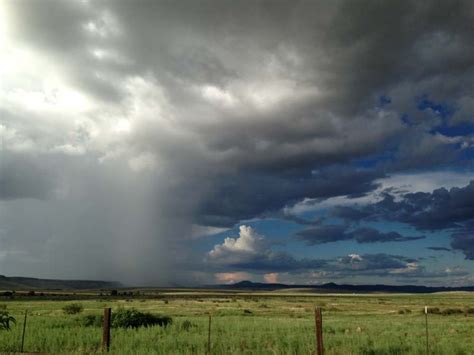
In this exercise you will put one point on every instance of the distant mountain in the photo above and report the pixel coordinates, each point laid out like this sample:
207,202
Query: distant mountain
332,287
29,283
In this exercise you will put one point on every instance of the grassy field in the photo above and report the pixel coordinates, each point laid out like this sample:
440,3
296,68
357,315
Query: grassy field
250,323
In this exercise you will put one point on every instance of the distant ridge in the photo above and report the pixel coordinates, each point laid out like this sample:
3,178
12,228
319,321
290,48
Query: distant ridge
332,287
30,283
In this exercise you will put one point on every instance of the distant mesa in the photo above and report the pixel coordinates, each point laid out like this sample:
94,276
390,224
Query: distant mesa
30,283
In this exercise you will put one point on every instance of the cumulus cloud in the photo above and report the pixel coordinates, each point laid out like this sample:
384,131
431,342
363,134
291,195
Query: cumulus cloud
251,251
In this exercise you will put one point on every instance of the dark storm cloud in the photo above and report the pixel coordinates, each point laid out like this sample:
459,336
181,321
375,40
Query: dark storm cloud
393,266
235,110
380,261
333,233
245,196
464,242
441,209
23,176
278,262
439,249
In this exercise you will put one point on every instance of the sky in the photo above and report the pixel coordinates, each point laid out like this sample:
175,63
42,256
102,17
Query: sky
200,142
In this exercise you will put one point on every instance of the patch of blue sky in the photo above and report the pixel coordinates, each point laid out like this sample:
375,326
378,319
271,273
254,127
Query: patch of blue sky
461,129
388,155
384,100
406,120
466,156
442,109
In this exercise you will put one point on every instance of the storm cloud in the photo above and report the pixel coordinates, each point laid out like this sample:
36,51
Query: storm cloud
333,233
127,125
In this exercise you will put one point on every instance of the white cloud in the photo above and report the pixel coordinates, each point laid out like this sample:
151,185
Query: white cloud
198,231
248,243
218,96
271,277
355,258
411,267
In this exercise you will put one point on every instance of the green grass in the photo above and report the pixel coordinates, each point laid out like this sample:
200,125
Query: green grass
251,323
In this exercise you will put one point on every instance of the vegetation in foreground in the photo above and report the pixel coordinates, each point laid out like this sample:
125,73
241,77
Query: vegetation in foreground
247,323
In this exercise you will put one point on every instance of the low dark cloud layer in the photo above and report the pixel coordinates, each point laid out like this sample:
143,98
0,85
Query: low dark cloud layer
451,210
464,241
441,209
333,233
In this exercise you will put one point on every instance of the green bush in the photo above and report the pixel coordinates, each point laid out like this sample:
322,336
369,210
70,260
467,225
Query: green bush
128,318
449,311
470,311
73,308
6,320
433,310
444,312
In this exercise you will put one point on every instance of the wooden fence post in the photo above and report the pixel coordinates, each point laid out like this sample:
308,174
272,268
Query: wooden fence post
23,334
318,320
209,336
426,331
106,330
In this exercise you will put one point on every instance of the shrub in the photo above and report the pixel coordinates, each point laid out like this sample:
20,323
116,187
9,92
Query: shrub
128,318
131,318
6,320
449,311
433,310
73,308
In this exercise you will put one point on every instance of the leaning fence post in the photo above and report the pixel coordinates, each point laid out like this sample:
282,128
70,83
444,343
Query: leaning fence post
318,320
23,334
209,336
426,331
106,330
